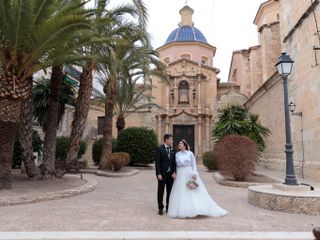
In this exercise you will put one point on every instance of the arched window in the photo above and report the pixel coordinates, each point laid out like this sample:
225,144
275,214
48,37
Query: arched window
183,92
204,60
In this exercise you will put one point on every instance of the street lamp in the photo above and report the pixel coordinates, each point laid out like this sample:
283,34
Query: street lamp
284,67
292,107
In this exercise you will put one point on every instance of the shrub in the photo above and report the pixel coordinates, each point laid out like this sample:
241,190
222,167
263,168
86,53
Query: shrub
62,148
236,156
17,152
118,160
82,149
140,143
97,149
209,161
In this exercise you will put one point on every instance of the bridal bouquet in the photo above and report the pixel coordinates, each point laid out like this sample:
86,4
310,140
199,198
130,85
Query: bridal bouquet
192,184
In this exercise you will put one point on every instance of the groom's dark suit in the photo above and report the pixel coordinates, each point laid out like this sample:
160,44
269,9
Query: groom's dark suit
165,166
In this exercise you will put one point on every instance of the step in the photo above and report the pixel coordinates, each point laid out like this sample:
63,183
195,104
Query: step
155,235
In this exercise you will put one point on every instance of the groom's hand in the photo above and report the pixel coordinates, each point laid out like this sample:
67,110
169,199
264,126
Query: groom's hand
159,177
173,175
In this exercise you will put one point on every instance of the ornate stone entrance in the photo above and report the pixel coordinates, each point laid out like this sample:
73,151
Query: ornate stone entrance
195,128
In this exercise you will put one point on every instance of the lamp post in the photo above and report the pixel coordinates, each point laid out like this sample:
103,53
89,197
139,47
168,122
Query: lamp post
284,67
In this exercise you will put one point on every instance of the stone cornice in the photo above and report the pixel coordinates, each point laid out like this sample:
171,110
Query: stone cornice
274,79
206,45
301,19
260,10
269,25
198,115
194,63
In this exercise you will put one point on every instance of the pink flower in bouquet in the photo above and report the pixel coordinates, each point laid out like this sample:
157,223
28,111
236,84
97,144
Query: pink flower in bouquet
192,184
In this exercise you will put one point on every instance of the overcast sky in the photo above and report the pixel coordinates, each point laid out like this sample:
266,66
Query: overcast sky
226,24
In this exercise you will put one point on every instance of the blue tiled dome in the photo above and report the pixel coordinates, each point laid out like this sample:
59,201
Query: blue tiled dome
186,34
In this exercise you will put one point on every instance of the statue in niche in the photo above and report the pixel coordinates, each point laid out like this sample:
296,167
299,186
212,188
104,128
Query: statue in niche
183,92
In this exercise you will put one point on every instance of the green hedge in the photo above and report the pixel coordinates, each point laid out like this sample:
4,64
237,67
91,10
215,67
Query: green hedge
97,149
140,143
62,147
210,161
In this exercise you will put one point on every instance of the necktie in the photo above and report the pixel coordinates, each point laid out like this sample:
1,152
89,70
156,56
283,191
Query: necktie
168,152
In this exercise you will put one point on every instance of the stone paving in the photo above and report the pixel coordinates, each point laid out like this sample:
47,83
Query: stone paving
129,204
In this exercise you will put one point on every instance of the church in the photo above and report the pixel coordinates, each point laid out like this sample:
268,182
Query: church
189,96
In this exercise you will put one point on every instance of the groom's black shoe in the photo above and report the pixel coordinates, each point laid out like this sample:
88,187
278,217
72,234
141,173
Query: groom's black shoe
166,209
160,212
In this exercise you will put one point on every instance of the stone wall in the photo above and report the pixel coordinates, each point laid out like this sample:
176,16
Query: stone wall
298,28
270,47
255,64
267,102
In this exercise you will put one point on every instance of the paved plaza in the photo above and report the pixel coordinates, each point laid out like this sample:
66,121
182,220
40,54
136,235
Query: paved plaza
129,204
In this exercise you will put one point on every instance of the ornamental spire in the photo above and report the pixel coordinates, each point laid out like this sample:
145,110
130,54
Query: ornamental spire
186,16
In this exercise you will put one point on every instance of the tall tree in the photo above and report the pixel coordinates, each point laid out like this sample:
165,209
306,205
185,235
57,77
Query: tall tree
25,136
50,99
108,29
49,144
31,31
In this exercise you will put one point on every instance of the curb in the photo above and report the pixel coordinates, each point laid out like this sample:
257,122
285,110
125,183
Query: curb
222,181
35,198
102,173
114,174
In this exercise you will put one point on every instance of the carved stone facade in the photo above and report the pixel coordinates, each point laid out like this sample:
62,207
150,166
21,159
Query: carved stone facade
189,97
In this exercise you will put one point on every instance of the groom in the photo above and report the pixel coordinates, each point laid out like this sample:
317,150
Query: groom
165,170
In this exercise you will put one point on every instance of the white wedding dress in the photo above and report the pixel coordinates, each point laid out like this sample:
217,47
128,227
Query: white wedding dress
187,203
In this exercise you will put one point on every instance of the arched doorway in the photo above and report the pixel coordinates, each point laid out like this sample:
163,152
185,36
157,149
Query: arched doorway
184,132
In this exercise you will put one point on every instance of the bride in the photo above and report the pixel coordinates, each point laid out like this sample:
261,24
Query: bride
189,197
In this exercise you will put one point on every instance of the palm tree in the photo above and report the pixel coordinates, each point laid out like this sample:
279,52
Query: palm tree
40,94
49,144
109,26
42,99
128,61
31,32
235,119
256,131
231,121
25,136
